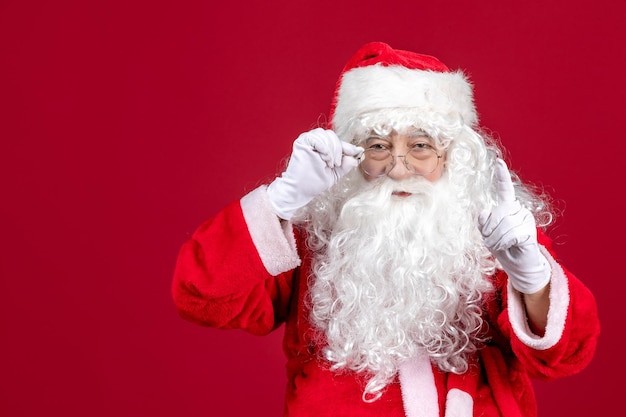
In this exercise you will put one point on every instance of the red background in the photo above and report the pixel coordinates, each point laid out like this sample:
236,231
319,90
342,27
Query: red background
125,124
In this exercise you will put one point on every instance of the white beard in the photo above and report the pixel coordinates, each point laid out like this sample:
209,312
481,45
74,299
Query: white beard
395,277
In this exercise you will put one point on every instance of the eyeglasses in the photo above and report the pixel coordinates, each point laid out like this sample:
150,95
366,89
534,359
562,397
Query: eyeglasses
377,160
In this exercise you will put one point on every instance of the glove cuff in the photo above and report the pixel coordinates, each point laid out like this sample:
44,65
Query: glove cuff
531,280
284,198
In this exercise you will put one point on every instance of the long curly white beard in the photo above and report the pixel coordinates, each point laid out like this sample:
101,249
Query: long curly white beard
396,277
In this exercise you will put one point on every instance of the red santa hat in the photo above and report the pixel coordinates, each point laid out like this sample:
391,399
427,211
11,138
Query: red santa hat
381,80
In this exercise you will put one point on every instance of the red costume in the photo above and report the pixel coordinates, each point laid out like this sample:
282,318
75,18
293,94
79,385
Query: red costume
243,270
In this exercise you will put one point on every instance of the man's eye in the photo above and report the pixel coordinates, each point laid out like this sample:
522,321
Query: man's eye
421,146
376,143
377,146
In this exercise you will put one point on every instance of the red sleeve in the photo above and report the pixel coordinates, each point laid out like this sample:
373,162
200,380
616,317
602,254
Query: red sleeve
221,281
573,325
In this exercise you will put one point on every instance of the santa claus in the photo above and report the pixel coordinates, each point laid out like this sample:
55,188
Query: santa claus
410,267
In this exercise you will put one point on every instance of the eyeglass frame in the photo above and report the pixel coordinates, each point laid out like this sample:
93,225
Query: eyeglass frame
408,166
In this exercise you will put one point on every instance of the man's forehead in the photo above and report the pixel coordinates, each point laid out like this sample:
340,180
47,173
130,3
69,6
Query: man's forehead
414,131
410,131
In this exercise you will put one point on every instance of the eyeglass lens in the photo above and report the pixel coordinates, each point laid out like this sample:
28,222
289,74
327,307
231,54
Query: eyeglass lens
419,161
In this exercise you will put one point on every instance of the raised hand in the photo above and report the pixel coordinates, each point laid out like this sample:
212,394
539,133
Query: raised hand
510,233
319,158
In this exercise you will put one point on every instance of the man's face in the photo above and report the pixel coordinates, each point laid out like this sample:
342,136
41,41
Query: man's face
400,156
399,261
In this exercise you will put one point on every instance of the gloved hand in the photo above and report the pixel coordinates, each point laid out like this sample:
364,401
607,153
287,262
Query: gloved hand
319,158
510,233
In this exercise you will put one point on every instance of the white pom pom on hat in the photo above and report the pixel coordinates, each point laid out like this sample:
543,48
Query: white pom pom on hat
378,77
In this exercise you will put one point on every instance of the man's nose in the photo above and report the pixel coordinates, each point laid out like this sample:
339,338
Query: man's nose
399,170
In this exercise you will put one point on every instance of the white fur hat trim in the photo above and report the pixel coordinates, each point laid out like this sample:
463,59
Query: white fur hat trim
433,95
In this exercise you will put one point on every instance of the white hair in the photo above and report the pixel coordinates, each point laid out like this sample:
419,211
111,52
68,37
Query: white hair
397,277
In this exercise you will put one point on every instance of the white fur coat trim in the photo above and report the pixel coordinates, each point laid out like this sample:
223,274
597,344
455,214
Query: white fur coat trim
417,383
559,303
419,392
276,245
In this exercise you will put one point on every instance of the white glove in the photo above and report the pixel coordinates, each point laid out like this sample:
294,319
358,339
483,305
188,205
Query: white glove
319,158
510,233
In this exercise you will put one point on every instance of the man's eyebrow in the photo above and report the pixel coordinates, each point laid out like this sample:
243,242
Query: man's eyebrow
417,133
375,136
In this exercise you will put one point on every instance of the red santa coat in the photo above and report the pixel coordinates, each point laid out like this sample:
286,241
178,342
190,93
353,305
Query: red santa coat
243,270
